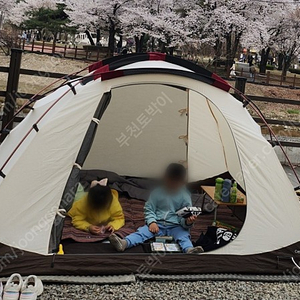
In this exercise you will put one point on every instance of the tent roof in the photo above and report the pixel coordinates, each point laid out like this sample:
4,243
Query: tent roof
131,64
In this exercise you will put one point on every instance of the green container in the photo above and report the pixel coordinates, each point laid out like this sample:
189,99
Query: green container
218,190
233,195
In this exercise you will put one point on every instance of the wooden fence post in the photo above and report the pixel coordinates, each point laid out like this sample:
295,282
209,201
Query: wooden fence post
294,81
75,53
12,87
240,85
53,47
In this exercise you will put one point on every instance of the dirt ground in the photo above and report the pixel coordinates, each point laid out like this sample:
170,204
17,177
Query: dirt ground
275,110
44,63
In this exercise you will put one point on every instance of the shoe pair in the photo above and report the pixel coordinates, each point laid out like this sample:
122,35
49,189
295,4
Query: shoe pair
17,289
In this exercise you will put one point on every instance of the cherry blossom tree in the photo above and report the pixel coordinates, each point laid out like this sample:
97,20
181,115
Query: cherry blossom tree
161,21
21,11
287,37
97,14
46,17
260,31
137,22
5,10
226,22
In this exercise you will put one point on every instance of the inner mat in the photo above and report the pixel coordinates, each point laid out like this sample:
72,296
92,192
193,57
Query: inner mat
139,132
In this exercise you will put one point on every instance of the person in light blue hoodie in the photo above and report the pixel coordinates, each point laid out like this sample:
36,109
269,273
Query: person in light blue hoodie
160,214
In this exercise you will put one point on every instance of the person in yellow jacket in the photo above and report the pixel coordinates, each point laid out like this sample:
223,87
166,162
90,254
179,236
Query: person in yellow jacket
98,211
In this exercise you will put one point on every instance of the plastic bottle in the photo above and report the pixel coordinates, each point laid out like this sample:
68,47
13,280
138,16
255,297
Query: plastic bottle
233,196
226,190
60,250
218,189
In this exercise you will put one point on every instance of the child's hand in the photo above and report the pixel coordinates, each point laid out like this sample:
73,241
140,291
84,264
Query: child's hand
191,220
109,228
153,228
95,229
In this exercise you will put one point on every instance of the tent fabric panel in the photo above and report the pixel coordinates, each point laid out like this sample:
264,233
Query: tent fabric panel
34,197
17,133
231,156
72,183
205,149
155,141
272,205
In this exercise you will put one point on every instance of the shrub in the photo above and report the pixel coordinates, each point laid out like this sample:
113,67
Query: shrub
270,67
295,71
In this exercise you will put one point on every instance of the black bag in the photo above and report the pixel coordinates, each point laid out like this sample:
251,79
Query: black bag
214,238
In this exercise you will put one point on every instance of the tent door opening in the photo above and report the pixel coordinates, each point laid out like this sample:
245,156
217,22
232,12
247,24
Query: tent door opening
146,126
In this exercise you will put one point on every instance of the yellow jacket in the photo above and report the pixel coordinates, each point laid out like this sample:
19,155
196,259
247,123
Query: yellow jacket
83,216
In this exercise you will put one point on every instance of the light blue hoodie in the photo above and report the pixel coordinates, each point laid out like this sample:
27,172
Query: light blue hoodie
161,207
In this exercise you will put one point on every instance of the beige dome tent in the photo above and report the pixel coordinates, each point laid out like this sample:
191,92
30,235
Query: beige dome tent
149,109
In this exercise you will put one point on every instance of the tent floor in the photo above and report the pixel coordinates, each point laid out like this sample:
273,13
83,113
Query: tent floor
276,262
224,215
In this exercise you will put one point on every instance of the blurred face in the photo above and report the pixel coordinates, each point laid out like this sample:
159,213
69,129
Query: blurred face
173,185
99,197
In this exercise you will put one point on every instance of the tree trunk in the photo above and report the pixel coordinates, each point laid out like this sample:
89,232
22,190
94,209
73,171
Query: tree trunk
152,44
218,52
228,51
280,61
235,47
264,60
90,37
231,49
287,60
139,42
111,39
98,37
